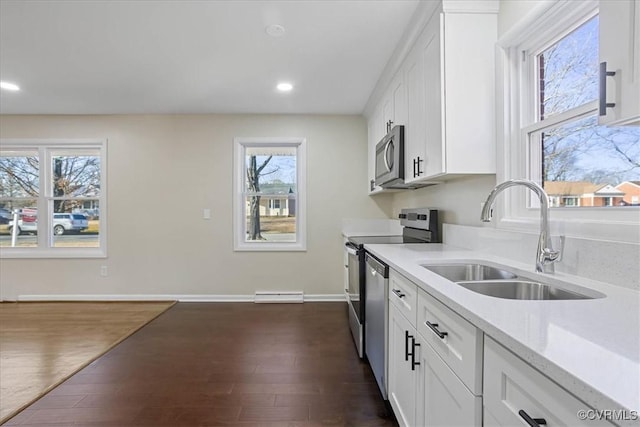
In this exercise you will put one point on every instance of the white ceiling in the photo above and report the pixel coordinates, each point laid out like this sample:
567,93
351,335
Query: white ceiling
144,56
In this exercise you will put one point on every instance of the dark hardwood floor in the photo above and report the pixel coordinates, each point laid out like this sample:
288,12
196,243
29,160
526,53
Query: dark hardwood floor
224,364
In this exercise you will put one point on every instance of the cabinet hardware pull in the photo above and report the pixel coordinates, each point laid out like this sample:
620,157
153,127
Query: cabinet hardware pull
413,354
419,160
398,293
414,168
412,347
434,328
406,346
533,422
602,108
372,184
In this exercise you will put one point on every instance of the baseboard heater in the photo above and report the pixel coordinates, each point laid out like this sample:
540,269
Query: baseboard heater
279,297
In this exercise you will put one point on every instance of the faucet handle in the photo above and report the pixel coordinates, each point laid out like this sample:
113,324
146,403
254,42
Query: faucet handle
551,255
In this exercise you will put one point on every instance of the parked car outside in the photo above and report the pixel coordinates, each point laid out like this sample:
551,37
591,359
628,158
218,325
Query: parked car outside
62,223
5,216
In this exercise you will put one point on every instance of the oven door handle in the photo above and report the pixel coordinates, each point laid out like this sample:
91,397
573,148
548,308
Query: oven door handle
351,250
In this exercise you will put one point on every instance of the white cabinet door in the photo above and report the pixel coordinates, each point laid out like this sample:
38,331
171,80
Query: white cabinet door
423,129
414,145
375,134
399,99
620,50
443,400
450,79
394,109
402,379
431,56
469,88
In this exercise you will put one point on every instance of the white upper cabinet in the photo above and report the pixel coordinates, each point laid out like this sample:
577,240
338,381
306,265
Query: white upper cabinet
620,50
443,93
458,135
391,111
422,77
394,108
375,131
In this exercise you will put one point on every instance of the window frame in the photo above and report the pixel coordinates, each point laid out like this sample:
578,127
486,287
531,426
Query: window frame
44,201
516,107
239,202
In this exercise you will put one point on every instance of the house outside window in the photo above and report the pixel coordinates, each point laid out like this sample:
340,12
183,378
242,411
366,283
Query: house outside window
52,198
270,194
550,98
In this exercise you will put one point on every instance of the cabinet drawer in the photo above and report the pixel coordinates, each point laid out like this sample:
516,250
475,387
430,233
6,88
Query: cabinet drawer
511,386
456,341
404,295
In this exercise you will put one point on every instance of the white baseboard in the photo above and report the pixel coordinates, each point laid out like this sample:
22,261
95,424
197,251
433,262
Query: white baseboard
169,297
325,298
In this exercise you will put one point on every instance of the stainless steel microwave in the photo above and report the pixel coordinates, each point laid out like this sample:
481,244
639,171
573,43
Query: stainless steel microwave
390,158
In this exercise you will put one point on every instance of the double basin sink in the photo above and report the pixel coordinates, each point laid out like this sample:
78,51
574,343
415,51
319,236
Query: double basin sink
502,283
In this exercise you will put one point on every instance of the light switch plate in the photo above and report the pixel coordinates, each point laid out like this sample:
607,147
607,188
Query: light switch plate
206,214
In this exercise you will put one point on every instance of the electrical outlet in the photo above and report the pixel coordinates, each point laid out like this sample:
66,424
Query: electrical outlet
103,271
206,214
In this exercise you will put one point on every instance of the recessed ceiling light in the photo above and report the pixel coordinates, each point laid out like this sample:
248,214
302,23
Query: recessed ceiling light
9,86
284,87
275,30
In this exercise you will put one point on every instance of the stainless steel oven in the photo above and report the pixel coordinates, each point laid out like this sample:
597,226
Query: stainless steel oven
355,293
420,225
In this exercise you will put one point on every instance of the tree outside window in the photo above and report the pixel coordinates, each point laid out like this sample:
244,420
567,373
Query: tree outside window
575,156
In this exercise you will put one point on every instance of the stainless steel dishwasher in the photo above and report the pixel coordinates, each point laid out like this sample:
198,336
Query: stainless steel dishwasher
376,307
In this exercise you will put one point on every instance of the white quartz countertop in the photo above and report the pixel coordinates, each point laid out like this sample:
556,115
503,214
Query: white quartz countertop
589,347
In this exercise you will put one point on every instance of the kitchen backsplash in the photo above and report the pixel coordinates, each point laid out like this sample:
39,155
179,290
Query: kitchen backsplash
611,262
370,227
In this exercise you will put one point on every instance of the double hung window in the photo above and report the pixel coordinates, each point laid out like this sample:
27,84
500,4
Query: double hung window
551,122
269,192
52,198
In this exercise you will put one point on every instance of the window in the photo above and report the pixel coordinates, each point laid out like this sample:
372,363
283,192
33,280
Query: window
568,146
551,132
571,201
52,198
275,203
269,191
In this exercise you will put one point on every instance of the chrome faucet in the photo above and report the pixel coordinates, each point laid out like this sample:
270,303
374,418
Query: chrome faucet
546,255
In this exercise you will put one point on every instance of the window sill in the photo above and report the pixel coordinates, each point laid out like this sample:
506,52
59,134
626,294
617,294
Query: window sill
31,253
269,247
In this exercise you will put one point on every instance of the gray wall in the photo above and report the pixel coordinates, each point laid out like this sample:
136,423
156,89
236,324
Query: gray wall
458,201
163,171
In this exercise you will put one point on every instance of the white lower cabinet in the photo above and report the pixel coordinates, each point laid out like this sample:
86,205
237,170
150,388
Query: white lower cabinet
516,394
402,378
424,390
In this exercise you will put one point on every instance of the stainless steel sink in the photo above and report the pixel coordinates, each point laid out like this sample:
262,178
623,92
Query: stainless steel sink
501,283
520,289
469,271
